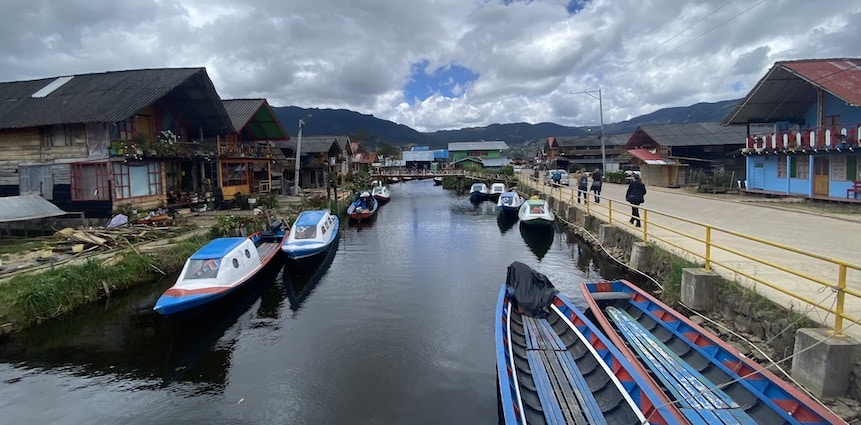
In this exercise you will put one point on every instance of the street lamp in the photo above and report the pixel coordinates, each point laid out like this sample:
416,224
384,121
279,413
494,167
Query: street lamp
591,93
298,148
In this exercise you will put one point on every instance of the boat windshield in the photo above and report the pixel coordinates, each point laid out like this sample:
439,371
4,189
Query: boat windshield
306,232
507,200
203,269
537,209
476,187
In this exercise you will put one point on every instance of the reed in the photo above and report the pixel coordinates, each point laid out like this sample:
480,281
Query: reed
30,298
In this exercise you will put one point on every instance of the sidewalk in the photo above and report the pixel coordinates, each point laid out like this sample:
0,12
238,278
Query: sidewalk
828,234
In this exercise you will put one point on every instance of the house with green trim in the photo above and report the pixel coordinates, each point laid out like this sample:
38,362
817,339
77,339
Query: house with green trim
478,155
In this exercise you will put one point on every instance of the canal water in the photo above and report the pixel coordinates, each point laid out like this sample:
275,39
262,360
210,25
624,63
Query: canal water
395,327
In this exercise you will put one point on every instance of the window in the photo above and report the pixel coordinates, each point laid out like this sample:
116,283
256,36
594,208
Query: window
122,130
90,182
799,168
234,173
781,167
136,179
62,135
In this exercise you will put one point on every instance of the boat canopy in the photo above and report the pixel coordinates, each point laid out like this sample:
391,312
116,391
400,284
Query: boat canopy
218,248
310,218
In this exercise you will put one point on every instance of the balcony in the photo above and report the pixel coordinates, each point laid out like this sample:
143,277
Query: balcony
838,138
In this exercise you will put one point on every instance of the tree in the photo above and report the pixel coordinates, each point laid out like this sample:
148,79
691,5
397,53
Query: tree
388,150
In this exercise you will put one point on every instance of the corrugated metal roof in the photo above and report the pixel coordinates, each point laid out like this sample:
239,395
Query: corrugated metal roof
477,146
27,207
593,140
495,162
788,89
687,134
111,97
255,116
650,157
315,144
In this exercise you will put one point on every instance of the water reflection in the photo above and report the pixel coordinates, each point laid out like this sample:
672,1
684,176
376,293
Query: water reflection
505,221
299,282
539,239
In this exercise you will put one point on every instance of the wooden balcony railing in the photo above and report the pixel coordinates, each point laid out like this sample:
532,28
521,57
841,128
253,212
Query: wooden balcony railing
819,138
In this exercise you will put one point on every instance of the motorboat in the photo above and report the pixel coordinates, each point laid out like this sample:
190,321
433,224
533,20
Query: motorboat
478,192
380,192
536,211
496,189
363,208
311,236
555,366
218,269
509,203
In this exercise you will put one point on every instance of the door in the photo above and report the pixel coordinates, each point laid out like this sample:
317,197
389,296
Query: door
821,172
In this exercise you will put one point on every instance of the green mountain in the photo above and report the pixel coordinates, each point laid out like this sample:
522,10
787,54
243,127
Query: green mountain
372,130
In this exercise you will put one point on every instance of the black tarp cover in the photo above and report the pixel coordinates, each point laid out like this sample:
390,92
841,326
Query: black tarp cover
533,291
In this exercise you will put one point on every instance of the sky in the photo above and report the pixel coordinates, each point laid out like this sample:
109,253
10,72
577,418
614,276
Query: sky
439,64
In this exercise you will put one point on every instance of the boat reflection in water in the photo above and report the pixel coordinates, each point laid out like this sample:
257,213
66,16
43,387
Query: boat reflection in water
209,338
538,238
505,221
299,282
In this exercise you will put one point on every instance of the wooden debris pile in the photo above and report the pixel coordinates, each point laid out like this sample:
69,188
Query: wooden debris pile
77,241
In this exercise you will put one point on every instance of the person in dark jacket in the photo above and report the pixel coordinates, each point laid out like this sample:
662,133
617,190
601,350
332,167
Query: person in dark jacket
582,185
635,195
596,184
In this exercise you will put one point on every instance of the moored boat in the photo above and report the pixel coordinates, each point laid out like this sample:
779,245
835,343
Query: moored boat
706,377
312,235
478,192
218,269
437,181
363,208
535,211
509,202
380,192
554,366
496,189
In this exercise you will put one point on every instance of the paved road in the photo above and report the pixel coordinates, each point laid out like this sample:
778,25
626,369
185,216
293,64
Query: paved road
832,235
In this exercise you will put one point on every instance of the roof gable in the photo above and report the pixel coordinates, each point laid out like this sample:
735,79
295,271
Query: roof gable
111,97
789,89
255,117
686,134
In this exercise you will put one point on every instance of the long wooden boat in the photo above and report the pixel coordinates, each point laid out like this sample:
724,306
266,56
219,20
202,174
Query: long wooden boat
708,379
218,269
312,235
554,366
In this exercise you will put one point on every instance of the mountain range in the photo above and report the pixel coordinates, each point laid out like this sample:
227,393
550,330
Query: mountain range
372,130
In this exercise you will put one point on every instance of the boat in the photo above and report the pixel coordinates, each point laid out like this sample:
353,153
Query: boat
554,366
535,211
706,377
437,181
478,192
218,269
496,189
509,203
311,236
380,192
363,208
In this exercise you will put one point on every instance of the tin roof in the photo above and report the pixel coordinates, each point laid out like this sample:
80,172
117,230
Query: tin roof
111,97
650,157
687,134
27,207
255,117
477,146
789,89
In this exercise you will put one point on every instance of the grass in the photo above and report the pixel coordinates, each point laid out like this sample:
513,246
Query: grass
30,298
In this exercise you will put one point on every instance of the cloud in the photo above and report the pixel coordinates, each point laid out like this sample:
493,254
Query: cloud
438,64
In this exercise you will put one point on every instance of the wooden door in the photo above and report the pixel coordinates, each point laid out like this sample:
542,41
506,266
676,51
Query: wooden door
821,172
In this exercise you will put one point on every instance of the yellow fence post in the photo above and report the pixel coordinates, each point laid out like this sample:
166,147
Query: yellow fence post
645,226
708,248
609,211
841,296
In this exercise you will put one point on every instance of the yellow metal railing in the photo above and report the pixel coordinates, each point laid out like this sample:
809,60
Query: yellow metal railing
733,254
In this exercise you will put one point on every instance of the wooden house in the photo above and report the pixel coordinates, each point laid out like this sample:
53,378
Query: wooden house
569,152
95,142
666,154
482,154
802,123
250,160
319,158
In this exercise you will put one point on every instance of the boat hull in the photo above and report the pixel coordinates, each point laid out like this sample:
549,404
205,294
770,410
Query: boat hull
559,368
640,317
536,212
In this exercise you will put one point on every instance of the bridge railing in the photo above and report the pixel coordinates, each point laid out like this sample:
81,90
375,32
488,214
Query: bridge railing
825,289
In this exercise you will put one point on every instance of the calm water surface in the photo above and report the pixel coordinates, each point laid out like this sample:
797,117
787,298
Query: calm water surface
396,327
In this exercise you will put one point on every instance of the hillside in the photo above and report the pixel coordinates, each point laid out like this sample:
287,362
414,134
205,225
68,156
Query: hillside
374,130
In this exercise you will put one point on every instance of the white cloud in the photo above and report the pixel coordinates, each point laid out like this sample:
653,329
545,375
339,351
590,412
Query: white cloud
357,55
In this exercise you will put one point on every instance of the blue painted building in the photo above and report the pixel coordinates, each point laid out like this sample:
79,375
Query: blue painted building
803,121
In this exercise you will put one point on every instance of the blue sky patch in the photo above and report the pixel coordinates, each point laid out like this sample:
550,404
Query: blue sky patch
449,81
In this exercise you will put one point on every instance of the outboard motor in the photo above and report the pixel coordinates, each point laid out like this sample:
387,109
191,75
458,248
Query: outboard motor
277,226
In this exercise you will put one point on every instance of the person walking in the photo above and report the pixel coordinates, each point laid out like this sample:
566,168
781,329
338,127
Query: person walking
635,195
596,184
582,185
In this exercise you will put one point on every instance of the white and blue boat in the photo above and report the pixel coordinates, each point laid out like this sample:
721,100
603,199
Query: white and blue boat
496,189
509,203
312,235
218,269
478,192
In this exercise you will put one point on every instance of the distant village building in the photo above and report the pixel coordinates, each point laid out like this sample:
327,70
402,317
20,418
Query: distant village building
482,154
570,152
802,123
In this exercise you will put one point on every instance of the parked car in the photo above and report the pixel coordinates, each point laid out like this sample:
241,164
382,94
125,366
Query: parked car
548,177
517,169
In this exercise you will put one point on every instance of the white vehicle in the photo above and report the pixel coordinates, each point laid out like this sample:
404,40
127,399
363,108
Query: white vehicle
548,177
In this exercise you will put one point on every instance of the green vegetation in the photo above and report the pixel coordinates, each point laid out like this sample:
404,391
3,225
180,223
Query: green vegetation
30,298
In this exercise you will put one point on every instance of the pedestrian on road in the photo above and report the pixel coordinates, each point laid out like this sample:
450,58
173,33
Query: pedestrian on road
635,196
596,184
582,185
